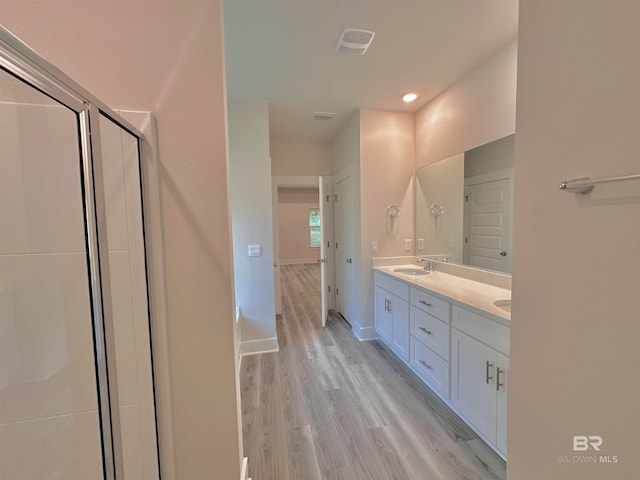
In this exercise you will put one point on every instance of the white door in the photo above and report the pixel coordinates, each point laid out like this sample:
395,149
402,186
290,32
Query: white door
326,239
344,247
382,315
276,251
473,388
488,223
399,310
501,390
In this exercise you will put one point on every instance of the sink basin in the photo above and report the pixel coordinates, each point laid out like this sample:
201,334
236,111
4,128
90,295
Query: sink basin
411,271
503,305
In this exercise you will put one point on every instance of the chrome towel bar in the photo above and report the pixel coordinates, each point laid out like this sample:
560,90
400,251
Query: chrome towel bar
585,185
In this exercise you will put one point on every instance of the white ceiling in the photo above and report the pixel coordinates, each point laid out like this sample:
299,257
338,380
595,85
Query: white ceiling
283,52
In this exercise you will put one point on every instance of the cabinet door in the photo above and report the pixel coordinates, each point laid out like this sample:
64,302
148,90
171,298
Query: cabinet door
501,390
399,310
383,317
473,389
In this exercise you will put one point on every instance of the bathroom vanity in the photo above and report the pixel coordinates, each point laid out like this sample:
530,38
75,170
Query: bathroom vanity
453,332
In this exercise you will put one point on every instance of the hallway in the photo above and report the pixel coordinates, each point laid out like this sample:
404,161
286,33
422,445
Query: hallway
327,406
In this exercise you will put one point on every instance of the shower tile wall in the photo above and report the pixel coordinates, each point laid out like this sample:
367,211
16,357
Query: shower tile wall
48,406
129,301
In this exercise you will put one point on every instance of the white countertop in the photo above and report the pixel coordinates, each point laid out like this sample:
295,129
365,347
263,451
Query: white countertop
468,293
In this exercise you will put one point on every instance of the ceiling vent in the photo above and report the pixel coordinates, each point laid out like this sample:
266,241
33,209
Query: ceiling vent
354,41
323,115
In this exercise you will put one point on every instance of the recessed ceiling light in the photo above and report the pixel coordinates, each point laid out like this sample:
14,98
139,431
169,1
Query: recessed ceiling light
410,97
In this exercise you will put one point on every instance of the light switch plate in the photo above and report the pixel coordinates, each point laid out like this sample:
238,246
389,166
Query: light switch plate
374,246
421,244
407,244
255,250
452,243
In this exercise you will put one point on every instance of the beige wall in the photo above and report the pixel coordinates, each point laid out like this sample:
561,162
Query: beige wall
477,109
166,57
387,161
346,145
293,221
491,157
441,183
251,213
576,328
289,157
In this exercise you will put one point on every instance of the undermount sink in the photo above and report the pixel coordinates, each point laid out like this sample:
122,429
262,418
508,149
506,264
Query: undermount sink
503,305
411,271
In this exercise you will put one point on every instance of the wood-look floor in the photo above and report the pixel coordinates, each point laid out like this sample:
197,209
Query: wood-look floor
329,407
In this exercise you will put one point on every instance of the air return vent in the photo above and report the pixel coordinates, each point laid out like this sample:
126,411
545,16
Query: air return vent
354,41
323,115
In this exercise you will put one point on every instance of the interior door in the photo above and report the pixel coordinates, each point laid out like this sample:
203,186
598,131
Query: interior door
488,219
326,239
344,247
276,251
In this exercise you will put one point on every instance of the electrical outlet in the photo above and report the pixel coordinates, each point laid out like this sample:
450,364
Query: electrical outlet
452,243
374,246
421,244
407,244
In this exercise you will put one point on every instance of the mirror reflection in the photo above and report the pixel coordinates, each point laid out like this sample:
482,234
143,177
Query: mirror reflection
464,207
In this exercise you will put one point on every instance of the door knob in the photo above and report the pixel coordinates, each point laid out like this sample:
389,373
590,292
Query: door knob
348,260
503,253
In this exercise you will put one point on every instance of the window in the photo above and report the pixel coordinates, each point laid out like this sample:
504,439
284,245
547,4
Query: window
314,227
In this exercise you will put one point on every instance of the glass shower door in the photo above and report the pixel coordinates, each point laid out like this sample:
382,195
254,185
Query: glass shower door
50,424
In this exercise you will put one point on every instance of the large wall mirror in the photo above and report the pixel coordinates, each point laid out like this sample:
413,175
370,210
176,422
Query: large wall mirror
464,207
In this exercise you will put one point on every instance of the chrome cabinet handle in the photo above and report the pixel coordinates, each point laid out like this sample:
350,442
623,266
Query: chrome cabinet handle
425,303
428,367
428,332
503,254
386,305
498,384
389,307
489,365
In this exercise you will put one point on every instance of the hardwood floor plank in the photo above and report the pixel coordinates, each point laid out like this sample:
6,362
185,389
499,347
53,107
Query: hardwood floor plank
327,406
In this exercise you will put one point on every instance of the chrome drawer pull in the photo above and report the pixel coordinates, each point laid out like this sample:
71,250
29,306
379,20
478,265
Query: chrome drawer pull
429,367
498,384
428,332
489,365
425,303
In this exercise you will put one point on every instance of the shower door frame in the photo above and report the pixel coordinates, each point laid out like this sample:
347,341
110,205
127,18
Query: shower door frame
26,65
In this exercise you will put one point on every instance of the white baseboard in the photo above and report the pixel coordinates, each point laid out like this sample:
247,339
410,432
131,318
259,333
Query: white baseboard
299,261
364,334
255,347
244,472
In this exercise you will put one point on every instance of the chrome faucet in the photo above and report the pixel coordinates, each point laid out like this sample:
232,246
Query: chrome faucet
429,266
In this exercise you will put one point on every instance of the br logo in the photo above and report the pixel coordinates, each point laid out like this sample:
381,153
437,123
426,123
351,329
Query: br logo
582,443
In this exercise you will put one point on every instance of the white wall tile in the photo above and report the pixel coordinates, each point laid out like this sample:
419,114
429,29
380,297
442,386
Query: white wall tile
60,448
46,342
40,195
113,177
124,331
131,443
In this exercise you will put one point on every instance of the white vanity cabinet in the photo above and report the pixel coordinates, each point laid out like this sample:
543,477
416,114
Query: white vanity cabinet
430,339
392,314
459,350
479,374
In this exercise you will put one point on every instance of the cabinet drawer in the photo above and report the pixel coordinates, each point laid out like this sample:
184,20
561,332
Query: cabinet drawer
434,333
431,304
487,331
430,367
396,287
